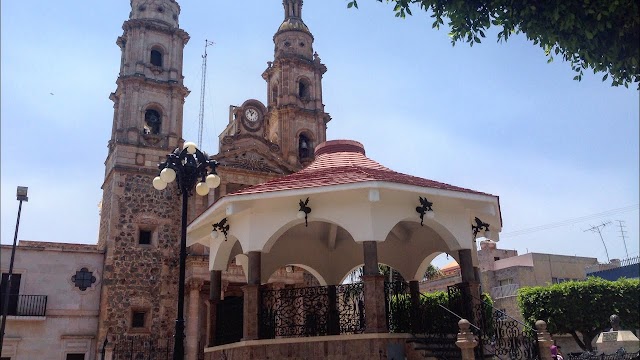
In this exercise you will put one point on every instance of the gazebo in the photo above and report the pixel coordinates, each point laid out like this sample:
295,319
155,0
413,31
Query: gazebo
341,212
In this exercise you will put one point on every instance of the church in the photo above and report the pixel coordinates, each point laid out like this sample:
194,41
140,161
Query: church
302,212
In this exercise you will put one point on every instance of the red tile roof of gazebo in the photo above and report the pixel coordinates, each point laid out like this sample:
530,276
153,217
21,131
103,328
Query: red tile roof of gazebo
341,162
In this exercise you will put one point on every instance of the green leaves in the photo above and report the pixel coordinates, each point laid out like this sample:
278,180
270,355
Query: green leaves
600,35
582,306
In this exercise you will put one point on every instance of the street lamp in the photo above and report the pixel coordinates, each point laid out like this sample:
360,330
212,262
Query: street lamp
189,167
21,195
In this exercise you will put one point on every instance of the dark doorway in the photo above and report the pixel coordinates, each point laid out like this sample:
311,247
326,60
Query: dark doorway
13,292
229,319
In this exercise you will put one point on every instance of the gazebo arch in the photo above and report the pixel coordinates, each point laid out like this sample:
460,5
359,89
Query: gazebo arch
326,247
223,251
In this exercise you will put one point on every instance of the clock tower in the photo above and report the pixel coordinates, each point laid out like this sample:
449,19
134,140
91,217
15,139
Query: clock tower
138,231
264,141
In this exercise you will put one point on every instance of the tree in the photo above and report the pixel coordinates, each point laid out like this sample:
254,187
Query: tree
582,306
601,35
432,272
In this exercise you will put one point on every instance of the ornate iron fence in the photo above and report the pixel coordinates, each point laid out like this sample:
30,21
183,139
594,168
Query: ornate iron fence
294,312
502,336
142,348
350,307
312,311
435,330
398,306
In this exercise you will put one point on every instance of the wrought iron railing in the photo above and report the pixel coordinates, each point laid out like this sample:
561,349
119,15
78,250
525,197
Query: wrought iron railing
435,329
398,306
312,311
26,305
502,336
350,307
142,347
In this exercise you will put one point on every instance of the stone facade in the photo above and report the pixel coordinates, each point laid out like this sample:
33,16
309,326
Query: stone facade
138,229
141,277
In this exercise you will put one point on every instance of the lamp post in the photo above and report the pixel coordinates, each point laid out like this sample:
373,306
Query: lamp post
190,167
21,195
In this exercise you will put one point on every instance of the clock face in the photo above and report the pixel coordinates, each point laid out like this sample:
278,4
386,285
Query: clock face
251,114
252,118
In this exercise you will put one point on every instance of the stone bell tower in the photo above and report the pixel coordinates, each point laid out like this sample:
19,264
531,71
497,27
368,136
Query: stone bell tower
140,240
297,121
265,141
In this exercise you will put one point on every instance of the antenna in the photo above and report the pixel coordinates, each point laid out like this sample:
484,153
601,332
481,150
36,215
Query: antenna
623,235
597,229
202,90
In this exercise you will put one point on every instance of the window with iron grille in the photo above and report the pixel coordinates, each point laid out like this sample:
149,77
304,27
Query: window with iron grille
83,279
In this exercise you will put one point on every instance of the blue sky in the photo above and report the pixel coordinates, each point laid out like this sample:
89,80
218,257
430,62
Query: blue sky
495,117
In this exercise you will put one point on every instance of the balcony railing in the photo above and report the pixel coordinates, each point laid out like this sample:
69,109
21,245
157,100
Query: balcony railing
505,291
26,305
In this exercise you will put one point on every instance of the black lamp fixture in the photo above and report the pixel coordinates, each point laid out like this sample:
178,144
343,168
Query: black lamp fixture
220,226
190,167
304,211
424,208
480,226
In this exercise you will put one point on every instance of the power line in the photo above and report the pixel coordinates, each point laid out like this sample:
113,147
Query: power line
570,221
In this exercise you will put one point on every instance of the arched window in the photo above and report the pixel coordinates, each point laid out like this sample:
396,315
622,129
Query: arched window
152,120
156,58
304,147
303,89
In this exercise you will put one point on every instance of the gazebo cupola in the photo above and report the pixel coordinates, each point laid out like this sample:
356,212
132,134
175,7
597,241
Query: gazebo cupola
360,213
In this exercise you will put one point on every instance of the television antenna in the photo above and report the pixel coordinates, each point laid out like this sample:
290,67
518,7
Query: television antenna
598,229
202,90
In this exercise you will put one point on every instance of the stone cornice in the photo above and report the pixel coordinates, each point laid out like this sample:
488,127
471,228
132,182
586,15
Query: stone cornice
156,25
141,79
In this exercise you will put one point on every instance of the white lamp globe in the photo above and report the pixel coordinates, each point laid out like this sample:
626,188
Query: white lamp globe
202,189
190,146
213,181
168,175
215,234
158,184
301,214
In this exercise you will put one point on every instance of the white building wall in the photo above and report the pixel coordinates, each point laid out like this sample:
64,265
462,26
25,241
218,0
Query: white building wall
71,320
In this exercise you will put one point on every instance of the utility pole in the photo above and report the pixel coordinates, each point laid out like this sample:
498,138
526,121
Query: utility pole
21,195
623,235
598,229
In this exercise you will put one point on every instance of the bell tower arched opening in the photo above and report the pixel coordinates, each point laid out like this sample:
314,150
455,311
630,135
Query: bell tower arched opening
152,122
156,57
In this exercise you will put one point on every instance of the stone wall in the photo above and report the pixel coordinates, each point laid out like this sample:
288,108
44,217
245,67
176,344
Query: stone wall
349,347
140,277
